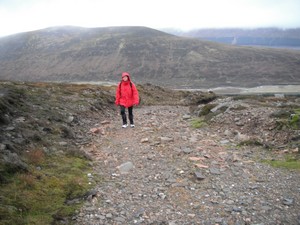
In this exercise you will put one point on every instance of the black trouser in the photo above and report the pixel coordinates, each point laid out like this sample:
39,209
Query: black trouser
123,114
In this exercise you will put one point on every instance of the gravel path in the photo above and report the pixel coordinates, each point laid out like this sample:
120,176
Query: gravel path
163,171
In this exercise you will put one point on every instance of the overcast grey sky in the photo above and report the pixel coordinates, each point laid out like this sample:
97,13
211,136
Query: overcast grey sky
25,15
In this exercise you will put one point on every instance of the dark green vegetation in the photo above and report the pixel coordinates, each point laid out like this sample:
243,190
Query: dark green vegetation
288,118
295,119
44,173
71,54
262,122
198,123
52,189
288,162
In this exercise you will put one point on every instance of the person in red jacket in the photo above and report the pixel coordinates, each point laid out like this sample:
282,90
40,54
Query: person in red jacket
127,96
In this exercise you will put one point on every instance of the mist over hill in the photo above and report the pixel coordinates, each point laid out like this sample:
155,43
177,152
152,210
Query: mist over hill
73,54
271,37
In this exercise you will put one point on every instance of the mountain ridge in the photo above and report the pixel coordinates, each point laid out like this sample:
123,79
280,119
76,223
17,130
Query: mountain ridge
72,54
272,37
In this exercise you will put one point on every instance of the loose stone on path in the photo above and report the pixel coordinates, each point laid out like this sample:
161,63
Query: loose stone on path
125,167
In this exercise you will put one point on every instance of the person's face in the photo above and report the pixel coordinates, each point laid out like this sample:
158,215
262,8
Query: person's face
125,78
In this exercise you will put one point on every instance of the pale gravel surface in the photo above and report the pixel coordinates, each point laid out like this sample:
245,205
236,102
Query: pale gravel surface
166,153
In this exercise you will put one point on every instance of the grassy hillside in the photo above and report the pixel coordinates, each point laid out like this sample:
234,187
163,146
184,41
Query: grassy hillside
100,54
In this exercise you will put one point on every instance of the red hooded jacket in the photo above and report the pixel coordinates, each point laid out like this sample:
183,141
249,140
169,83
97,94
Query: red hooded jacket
127,94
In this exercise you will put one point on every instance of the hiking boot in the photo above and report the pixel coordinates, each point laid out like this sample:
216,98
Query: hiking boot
124,125
132,125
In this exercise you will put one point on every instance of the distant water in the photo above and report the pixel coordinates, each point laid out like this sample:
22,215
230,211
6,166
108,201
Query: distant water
103,83
276,47
268,89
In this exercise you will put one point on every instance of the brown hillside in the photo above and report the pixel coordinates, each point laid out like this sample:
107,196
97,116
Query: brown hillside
100,54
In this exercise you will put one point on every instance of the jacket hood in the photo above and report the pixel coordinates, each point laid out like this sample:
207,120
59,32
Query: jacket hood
126,74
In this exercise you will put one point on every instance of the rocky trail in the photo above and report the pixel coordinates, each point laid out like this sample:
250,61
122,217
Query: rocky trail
164,171
193,158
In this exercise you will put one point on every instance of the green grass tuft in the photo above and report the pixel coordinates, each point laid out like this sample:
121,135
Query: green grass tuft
39,196
288,163
198,123
295,119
